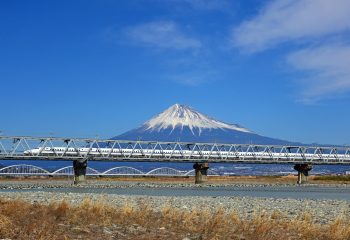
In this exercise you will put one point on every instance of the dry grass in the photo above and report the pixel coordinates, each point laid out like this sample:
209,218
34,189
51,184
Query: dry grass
290,179
338,178
212,179
98,220
163,179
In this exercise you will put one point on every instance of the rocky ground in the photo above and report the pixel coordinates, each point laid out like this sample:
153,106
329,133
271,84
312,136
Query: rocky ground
321,211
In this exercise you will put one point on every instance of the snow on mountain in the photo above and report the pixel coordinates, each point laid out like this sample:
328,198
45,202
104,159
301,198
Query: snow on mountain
184,116
182,123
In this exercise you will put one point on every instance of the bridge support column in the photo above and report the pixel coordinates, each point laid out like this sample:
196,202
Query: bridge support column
79,171
303,172
201,170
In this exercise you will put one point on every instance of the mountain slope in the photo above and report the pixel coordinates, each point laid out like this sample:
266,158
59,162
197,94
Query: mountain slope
180,116
182,123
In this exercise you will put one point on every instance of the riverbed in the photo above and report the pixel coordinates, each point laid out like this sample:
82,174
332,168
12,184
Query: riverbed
323,203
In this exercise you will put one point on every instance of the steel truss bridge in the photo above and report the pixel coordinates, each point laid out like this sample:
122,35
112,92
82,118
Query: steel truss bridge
17,148
30,170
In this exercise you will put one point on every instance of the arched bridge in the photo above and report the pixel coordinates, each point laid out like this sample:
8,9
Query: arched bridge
30,170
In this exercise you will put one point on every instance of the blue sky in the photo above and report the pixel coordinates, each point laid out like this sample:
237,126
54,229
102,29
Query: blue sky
99,68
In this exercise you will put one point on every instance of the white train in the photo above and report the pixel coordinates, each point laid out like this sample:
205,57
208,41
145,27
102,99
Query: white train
115,152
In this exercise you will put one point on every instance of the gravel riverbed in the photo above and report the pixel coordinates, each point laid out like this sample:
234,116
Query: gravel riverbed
321,210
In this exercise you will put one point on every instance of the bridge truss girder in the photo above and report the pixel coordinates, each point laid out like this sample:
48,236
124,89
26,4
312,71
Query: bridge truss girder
14,148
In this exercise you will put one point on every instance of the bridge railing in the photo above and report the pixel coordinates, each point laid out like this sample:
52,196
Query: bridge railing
19,147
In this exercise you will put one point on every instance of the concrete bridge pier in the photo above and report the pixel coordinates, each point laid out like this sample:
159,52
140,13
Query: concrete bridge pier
201,170
79,167
303,172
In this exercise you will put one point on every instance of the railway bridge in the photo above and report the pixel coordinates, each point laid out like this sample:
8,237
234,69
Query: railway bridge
82,150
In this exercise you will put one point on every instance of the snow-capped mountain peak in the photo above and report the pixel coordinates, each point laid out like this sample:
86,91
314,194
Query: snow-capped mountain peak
182,123
183,116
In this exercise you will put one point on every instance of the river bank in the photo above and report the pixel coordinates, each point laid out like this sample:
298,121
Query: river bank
288,180
43,215
172,210
324,203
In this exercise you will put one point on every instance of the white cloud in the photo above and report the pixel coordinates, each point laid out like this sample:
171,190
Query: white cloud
285,20
316,24
162,34
328,71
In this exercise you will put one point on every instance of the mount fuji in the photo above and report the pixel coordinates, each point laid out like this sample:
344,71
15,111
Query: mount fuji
183,123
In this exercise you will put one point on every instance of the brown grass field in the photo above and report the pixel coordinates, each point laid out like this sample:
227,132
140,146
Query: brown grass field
98,220
290,179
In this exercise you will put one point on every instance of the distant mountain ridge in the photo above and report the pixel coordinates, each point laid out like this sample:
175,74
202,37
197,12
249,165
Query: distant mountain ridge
185,124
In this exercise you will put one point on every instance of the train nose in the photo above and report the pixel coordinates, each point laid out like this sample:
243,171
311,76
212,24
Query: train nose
27,152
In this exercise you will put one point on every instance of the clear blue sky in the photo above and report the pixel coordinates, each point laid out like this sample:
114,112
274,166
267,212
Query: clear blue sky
86,68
